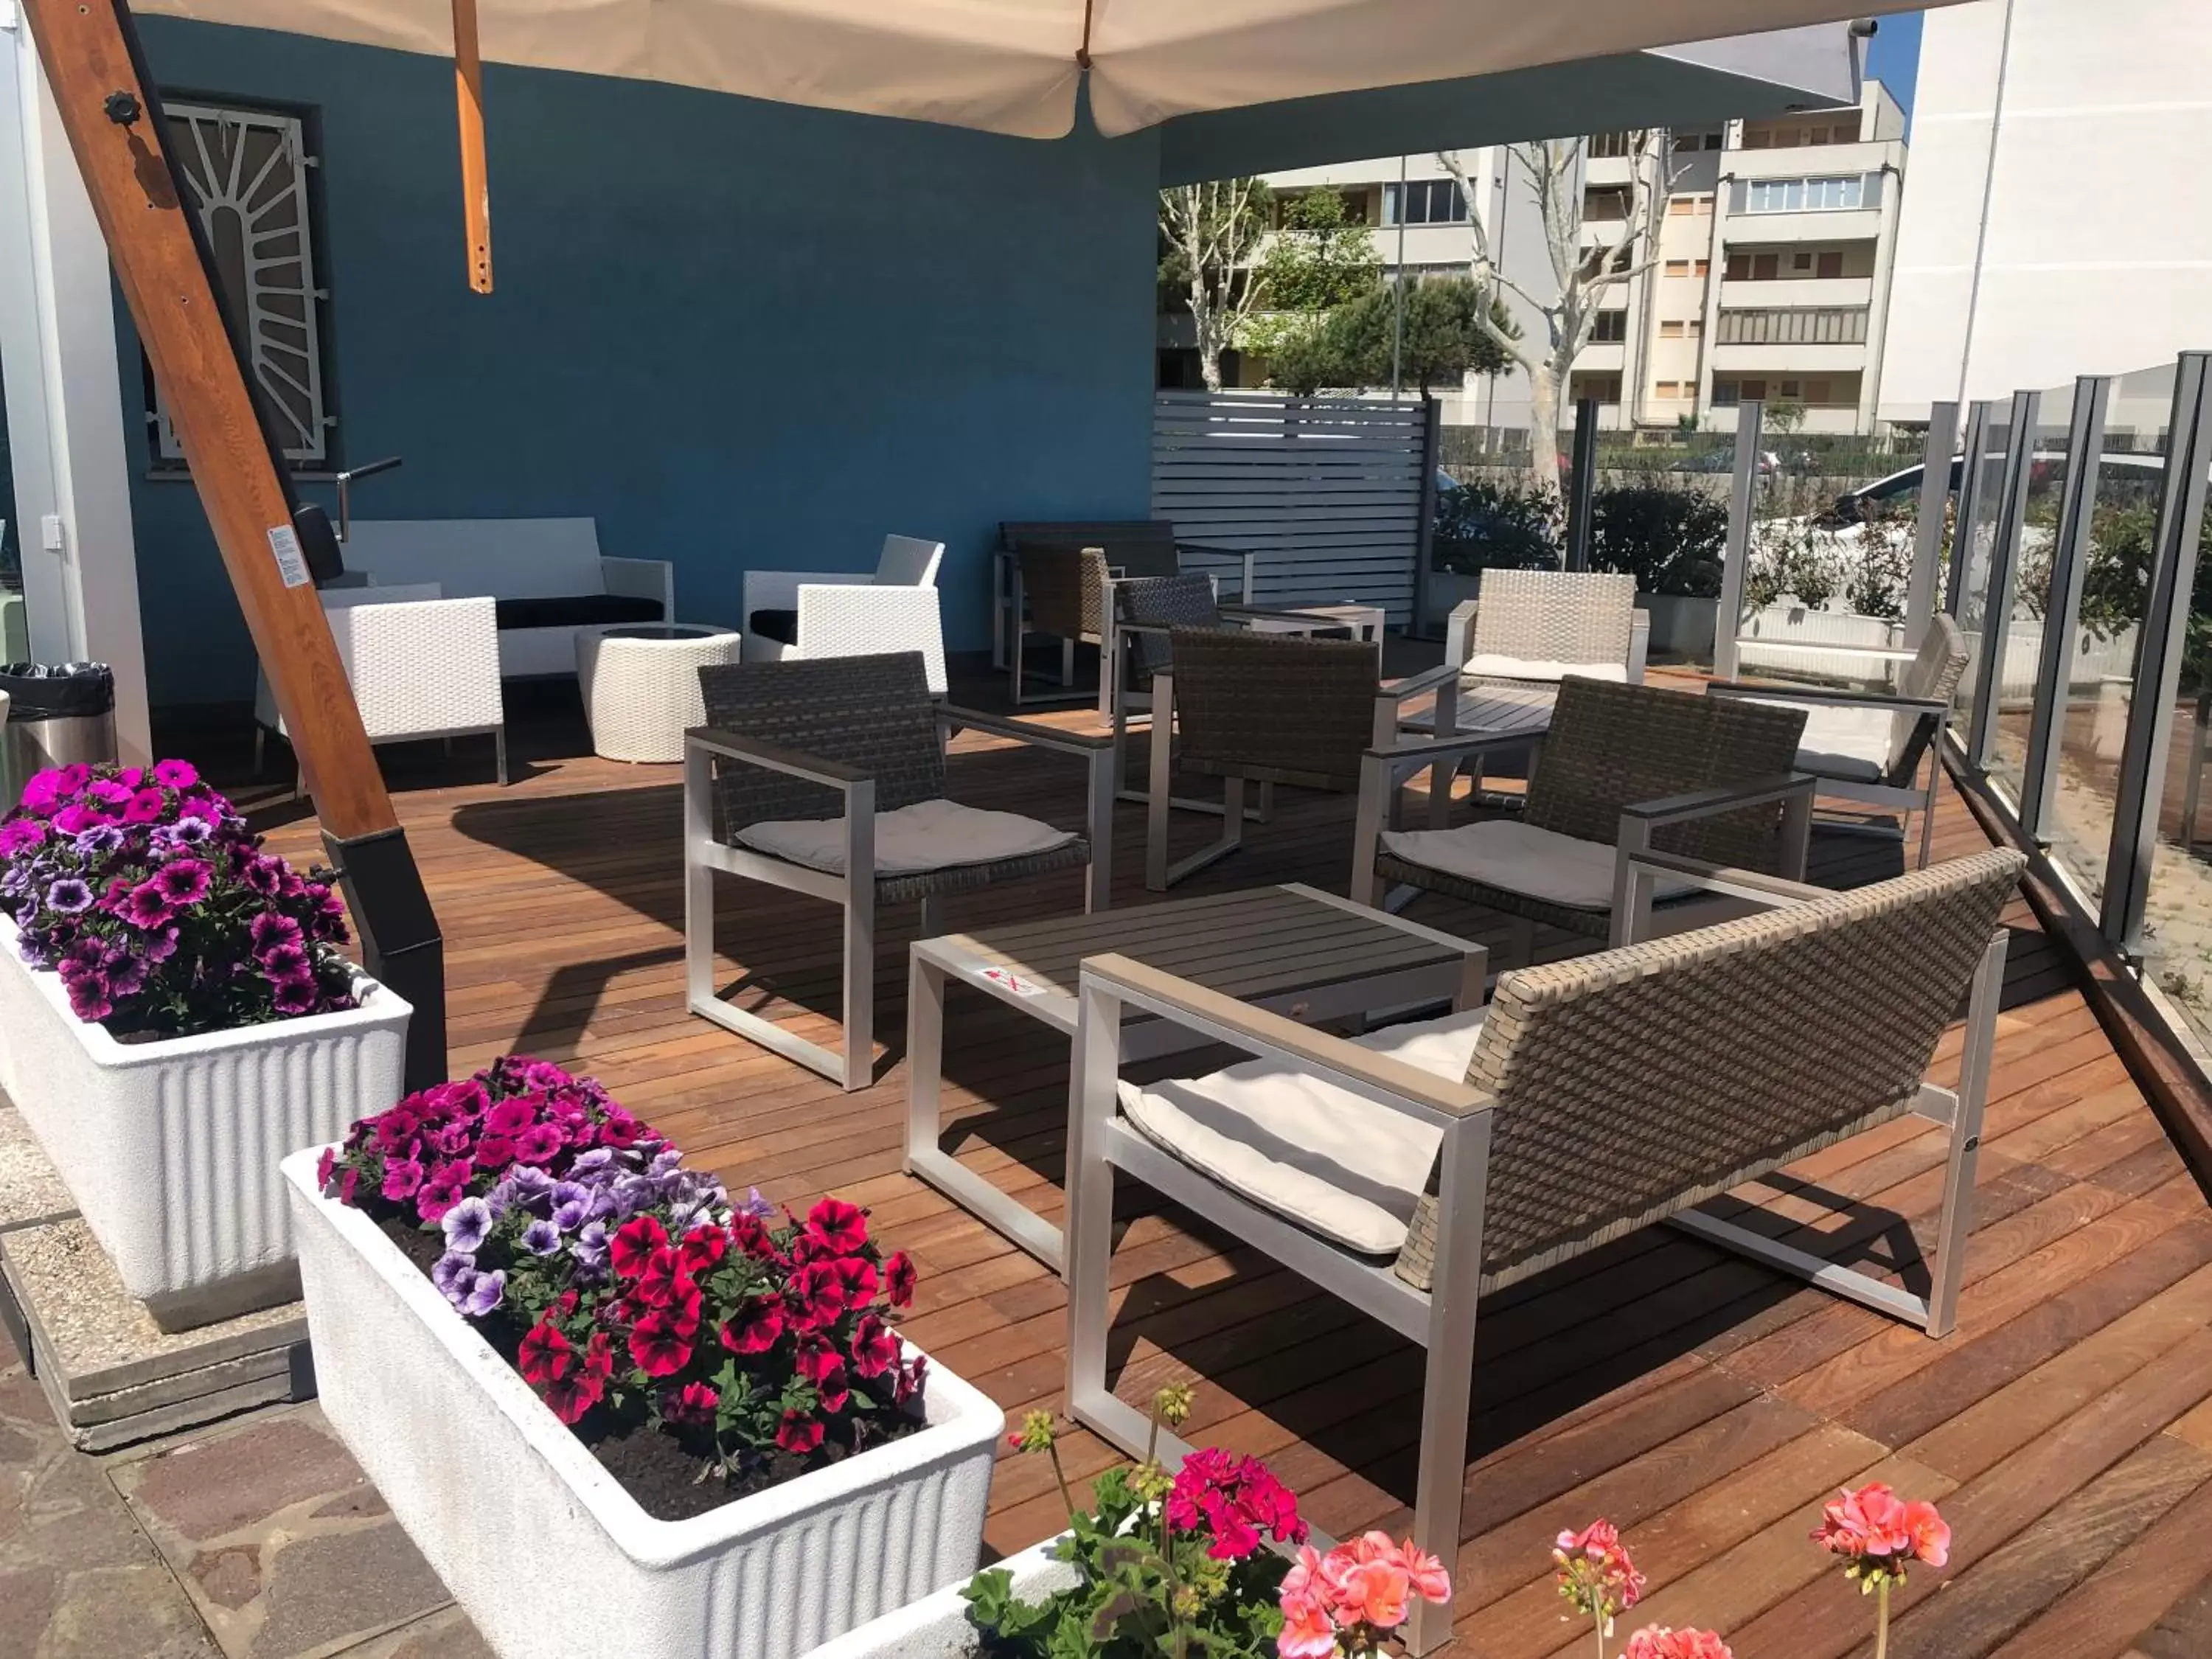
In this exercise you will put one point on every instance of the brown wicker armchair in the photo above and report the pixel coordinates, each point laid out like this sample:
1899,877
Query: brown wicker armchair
1709,777
1416,1171
825,775
1263,708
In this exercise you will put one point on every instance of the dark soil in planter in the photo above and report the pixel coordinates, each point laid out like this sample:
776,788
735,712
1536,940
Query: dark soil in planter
669,1482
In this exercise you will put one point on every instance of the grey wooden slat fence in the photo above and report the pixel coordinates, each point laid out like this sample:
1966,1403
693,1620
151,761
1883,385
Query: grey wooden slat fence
1330,493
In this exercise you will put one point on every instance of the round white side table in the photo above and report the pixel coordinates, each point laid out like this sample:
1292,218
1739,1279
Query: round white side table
640,684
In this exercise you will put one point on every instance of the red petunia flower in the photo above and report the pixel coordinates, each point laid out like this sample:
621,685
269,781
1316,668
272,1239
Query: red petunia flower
691,1406
683,1310
703,1248
657,1347
799,1433
572,1397
898,1273
658,1279
546,1355
817,1296
634,1244
911,1380
837,1227
875,1349
751,1235
858,1275
756,1328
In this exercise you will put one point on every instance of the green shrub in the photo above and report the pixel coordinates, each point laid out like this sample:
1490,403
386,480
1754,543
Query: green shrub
1671,539
1490,527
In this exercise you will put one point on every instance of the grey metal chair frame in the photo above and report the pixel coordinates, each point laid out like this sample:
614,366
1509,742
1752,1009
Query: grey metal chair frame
858,890
1450,1231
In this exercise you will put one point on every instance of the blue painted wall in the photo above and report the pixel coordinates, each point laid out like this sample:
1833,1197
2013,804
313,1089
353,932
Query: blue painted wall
736,333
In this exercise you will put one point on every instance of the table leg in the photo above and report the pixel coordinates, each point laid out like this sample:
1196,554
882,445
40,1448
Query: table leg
1098,892
924,1057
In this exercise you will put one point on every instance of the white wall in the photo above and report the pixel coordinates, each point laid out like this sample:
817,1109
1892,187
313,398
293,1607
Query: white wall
2096,255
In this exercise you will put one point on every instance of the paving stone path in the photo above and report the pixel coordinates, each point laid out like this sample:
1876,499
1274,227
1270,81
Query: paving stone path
257,1538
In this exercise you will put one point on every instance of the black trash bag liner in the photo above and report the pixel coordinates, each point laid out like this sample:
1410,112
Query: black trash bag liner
38,691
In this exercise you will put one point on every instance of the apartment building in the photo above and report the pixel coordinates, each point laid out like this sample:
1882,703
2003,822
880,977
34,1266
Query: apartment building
2060,218
1774,243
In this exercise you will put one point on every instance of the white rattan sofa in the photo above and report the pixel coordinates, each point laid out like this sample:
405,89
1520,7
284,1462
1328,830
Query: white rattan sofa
851,613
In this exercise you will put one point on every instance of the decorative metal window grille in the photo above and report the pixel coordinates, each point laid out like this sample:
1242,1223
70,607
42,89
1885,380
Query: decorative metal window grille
1803,326
1805,195
247,171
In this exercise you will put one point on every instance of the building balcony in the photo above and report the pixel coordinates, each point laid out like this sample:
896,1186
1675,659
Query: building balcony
1837,225
1827,419
1793,360
1601,357
1786,293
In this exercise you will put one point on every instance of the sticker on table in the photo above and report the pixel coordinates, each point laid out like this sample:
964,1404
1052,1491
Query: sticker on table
1007,979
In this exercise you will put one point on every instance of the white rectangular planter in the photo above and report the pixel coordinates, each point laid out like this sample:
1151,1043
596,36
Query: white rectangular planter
545,1551
171,1149
937,1627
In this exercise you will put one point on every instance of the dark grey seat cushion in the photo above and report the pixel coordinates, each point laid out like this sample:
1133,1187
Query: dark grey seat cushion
582,610
781,626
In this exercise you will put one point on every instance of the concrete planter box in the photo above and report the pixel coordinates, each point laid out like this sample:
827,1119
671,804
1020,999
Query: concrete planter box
171,1149
542,1547
1682,627
937,1627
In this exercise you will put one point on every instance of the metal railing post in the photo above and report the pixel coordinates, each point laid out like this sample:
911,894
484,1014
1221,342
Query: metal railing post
2061,611
1970,494
2158,662
1582,487
1997,597
1928,536
1743,497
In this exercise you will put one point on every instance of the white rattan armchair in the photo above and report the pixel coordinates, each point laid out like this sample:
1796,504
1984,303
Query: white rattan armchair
830,613
420,667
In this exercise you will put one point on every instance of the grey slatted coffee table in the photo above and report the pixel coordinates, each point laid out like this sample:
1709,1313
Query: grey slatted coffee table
1294,949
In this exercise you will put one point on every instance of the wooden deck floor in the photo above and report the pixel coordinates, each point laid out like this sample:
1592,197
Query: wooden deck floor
1702,1403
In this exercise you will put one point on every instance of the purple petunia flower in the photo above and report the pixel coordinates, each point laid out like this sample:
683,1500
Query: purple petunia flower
297,993
541,1238
483,1294
70,896
452,1268
566,1217
268,931
591,1245
466,1225
100,838
188,832
598,1159
282,961
530,1185
163,946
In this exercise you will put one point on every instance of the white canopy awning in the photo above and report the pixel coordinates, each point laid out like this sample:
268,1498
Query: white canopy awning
1015,66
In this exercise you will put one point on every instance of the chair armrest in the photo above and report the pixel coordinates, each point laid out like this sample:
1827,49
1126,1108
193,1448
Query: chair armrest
1705,803
1826,697
1387,1082
751,751
641,578
1774,891
952,717
1464,744
1414,684
1306,619
1459,633
778,590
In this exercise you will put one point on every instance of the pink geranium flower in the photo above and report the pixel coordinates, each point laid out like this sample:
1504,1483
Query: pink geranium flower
1659,1642
1349,1599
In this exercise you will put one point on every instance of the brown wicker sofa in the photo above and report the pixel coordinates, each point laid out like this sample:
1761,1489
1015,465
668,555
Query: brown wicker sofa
1412,1172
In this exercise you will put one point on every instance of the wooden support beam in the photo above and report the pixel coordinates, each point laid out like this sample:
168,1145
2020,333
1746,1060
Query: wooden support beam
112,115
476,176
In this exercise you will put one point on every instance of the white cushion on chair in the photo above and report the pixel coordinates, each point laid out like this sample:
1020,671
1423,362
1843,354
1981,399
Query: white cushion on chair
1522,859
930,834
1488,664
1846,742
1346,1167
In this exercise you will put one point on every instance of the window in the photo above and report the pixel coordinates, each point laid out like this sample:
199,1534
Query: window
1610,329
1765,267
1612,145
1726,394
1681,207
1667,389
249,175
1816,392
1800,262
1678,267
1756,139
1832,265
1816,135
1788,389
1427,202
1605,388
1804,195
1670,330
1701,268
1607,202
1681,329
1801,326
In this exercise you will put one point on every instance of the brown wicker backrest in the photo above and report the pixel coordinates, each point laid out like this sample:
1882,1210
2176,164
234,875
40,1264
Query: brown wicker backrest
871,713
1555,615
1611,746
1136,547
1633,1083
1184,601
1274,708
1934,672
1065,588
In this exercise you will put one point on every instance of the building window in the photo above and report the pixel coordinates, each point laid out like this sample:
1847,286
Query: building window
1801,261
249,175
1681,207
1816,392
1604,388
1832,265
1805,195
1678,267
1427,202
1681,329
1610,329
1801,325
1670,330
1612,145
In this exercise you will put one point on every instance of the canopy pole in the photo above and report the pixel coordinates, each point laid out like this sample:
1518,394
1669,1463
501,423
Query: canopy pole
476,176
112,115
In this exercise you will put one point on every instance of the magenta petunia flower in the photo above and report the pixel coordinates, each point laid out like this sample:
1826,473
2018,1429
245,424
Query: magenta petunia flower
146,807
283,961
538,1144
18,833
269,929
148,906
508,1117
403,1179
185,882
297,994
76,817
108,792
175,774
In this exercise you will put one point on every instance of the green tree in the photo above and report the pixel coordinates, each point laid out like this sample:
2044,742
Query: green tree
1210,236
1322,257
1360,342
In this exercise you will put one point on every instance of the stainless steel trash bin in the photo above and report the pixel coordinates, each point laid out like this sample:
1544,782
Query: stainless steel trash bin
58,714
